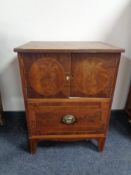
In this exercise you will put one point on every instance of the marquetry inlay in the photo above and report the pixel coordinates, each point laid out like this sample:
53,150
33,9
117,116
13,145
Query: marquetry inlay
44,76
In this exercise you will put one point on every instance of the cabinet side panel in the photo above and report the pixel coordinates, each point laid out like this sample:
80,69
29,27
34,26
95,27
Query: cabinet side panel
118,56
24,87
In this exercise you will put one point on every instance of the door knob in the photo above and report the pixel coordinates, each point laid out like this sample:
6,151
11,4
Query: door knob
67,77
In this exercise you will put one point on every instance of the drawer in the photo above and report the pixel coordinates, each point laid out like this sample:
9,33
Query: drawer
67,117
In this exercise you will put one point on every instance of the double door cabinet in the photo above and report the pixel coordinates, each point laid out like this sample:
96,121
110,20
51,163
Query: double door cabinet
68,89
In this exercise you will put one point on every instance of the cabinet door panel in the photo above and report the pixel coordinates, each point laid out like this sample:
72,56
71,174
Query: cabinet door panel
93,75
47,75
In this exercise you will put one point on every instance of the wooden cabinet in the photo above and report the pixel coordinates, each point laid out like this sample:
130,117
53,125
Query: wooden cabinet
128,104
1,111
68,89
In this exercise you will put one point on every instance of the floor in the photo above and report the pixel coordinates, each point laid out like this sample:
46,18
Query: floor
61,158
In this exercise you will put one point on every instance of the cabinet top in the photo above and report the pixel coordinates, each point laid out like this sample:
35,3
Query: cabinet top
71,46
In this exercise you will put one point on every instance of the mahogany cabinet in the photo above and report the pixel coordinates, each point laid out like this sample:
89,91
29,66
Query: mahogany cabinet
1,113
128,104
68,89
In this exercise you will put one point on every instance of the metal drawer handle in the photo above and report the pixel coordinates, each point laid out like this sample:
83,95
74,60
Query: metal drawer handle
68,119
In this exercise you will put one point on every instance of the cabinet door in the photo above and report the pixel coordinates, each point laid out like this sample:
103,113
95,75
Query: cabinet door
47,75
93,75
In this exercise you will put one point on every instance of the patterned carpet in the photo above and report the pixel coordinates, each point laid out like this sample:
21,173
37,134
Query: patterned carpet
61,158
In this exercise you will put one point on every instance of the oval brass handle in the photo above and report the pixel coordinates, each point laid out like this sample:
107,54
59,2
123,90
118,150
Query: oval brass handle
68,119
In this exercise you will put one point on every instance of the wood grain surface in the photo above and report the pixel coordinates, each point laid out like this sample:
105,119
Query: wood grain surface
68,78
88,47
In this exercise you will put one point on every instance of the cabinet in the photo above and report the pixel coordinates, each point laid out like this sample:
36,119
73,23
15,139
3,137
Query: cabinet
1,111
128,104
68,89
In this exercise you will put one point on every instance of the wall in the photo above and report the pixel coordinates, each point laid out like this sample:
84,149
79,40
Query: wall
22,21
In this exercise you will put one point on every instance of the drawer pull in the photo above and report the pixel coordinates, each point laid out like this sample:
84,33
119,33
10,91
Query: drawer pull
68,119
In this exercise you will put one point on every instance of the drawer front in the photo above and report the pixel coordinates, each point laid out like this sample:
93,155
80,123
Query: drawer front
65,119
47,75
93,75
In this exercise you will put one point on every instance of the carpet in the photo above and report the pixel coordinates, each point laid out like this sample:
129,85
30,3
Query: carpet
65,158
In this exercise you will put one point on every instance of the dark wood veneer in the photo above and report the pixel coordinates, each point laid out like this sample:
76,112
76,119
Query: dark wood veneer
74,80
128,104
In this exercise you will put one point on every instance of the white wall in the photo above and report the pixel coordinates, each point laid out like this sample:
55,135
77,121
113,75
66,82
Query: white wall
25,20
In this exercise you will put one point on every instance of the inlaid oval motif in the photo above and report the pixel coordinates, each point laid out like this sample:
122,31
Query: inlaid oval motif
47,76
91,77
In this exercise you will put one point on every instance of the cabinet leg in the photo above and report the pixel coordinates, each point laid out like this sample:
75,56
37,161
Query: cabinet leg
33,146
101,143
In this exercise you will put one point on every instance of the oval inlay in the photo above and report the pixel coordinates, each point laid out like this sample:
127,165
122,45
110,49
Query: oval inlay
47,76
92,77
